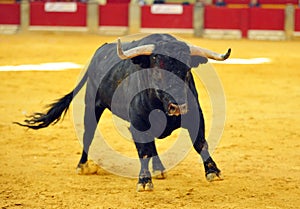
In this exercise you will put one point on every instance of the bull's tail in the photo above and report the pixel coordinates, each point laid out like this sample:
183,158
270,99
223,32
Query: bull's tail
55,110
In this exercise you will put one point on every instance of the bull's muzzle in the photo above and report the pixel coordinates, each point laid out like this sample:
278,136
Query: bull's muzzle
176,110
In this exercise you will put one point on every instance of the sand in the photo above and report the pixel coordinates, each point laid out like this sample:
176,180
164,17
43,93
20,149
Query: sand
258,153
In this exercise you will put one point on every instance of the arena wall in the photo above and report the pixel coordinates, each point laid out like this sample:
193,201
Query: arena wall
297,21
9,18
40,17
120,18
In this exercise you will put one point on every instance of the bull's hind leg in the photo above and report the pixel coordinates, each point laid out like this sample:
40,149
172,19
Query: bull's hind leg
91,119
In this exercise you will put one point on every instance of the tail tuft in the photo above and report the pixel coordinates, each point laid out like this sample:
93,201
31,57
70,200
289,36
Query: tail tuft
56,111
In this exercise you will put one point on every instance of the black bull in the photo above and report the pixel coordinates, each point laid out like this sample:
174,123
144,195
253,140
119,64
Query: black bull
142,82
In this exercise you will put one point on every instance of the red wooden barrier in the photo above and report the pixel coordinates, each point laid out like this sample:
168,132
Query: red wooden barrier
39,17
297,20
226,18
180,21
115,14
10,14
234,1
222,18
243,19
266,19
278,1
117,1
260,1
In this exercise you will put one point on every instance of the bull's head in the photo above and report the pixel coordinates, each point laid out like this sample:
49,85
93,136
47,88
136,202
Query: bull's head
167,57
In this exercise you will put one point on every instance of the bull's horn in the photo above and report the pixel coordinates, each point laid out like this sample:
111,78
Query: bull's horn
130,53
195,50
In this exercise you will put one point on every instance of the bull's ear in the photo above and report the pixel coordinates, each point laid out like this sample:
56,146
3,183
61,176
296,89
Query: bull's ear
197,60
142,60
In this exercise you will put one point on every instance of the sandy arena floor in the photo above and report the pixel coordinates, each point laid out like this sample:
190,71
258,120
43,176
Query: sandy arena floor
259,152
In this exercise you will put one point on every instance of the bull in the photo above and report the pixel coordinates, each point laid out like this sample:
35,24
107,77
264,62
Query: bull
146,73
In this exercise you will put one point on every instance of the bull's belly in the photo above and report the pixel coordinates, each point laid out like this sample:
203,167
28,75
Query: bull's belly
173,123
159,128
166,133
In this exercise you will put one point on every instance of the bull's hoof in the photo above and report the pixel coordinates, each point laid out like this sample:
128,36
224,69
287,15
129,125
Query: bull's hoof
88,168
141,187
159,174
214,177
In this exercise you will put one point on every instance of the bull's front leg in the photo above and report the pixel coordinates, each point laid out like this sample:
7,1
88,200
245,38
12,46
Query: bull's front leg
212,172
197,134
159,170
